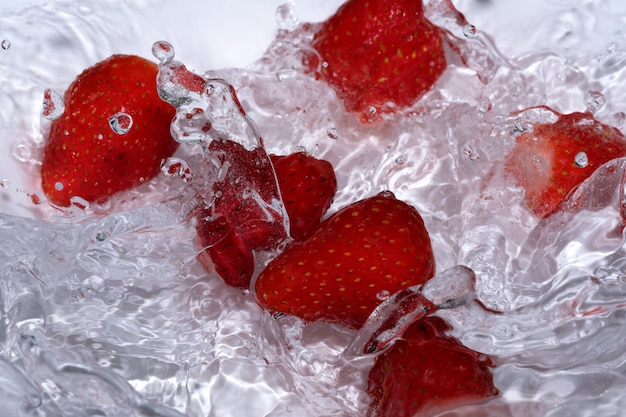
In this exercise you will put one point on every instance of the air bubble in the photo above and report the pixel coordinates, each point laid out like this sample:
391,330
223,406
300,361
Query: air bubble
594,101
484,105
618,119
332,133
471,153
383,295
400,160
4,183
53,106
173,167
58,186
79,202
121,123
372,110
31,401
163,51
612,47
539,163
286,18
5,44
101,236
469,31
581,160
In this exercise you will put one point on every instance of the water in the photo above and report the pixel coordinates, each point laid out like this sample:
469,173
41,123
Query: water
110,314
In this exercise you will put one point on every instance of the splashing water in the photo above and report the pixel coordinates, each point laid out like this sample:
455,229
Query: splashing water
105,310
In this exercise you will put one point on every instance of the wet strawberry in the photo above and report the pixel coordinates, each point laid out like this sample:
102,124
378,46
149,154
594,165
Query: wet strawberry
307,186
379,54
112,136
551,159
427,372
375,246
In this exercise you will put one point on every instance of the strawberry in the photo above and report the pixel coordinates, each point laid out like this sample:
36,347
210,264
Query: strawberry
379,54
551,159
427,372
112,136
372,247
307,186
225,250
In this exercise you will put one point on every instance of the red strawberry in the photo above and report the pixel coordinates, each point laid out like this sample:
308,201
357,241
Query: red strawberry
553,158
307,186
373,247
84,156
246,193
224,250
427,372
380,54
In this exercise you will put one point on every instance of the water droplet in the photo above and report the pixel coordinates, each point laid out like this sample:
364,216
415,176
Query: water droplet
101,236
484,105
53,106
79,202
539,163
58,186
612,47
469,151
383,295
120,123
176,167
332,133
31,401
581,160
163,51
5,44
469,31
286,18
594,101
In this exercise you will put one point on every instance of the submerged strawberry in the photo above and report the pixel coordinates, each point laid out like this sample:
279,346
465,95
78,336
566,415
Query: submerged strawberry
380,55
553,158
427,372
112,136
373,247
307,186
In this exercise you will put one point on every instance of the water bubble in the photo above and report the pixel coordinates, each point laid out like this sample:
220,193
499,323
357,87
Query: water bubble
5,44
594,101
469,151
581,160
176,167
121,123
612,47
469,31
286,18
58,186
53,106
163,51
383,295
539,163
332,133
79,202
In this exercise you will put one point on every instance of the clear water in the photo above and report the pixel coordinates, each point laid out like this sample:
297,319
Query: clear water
110,314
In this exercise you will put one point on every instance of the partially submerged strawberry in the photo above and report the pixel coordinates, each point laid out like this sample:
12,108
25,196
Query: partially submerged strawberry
112,136
551,159
427,372
365,251
307,186
380,55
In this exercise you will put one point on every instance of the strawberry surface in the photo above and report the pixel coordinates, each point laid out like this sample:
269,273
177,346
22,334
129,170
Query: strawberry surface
551,159
86,155
379,54
307,186
427,372
375,246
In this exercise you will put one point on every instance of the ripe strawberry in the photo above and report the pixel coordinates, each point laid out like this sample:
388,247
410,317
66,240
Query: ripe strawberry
427,372
375,246
380,54
307,186
552,159
84,156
